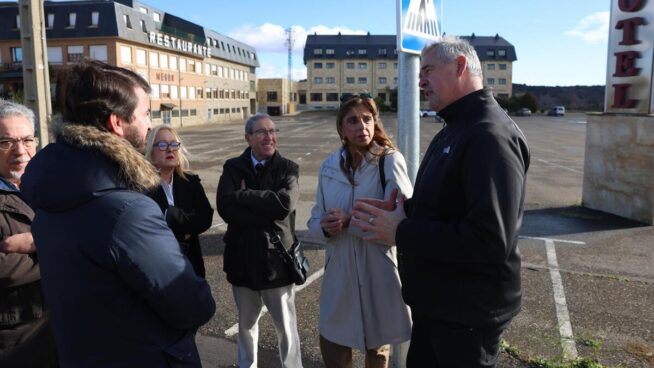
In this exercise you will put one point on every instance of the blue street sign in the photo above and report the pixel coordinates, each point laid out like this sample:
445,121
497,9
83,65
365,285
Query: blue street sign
418,24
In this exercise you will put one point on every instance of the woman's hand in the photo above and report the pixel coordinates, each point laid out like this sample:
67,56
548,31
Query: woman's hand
334,221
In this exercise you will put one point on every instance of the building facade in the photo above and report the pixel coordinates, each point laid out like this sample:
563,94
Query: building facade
343,64
276,96
197,75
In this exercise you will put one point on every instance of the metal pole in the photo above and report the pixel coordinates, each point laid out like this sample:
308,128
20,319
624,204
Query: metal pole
408,120
36,76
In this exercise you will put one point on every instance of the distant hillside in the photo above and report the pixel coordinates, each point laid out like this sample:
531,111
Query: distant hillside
587,98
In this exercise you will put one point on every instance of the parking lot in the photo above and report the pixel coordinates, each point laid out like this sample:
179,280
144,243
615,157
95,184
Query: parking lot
588,277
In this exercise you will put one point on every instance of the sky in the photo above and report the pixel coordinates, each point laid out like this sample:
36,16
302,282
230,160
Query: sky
557,42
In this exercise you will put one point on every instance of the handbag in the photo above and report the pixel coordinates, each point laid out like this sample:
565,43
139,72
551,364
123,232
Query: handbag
294,259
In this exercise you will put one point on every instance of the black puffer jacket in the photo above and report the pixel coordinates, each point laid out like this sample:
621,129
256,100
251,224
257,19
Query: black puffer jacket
267,203
459,260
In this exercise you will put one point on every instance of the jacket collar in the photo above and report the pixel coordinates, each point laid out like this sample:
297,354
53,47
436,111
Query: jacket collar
464,108
7,186
134,169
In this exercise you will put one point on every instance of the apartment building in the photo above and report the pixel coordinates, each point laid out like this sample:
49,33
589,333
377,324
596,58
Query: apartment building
276,96
341,64
197,75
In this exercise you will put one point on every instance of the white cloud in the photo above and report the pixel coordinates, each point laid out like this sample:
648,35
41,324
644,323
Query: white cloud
594,28
270,37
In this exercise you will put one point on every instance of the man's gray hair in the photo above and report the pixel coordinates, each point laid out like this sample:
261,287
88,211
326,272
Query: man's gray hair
9,109
249,123
448,48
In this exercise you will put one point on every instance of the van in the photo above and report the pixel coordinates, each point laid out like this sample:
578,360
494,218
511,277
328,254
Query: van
556,111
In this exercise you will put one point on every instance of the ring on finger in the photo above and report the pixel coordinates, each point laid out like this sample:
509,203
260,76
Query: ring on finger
371,219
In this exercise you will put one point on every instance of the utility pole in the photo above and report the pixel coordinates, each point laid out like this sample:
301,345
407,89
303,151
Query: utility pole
289,44
36,76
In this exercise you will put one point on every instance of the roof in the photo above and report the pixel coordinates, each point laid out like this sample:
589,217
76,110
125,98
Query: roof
347,46
111,24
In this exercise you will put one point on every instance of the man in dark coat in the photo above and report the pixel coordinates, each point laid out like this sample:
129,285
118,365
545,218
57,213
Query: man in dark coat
257,195
120,292
26,339
457,236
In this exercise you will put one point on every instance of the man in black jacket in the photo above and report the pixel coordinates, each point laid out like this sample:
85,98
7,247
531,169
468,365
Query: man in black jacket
257,195
457,236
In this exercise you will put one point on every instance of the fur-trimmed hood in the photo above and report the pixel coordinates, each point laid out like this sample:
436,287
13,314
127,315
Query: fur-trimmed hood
84,163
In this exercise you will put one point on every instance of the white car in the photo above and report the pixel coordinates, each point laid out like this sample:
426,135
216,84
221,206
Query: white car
427,114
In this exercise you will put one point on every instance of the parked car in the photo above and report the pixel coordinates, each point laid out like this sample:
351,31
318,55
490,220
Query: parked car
523,112
556,111
427,114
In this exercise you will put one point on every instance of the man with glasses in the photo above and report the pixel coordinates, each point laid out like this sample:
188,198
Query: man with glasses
257,195
457,236
25,336
120,292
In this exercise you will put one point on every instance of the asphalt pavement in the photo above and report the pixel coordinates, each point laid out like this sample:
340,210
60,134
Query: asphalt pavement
588,276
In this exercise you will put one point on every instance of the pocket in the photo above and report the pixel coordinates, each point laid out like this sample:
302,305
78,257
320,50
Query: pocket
184,352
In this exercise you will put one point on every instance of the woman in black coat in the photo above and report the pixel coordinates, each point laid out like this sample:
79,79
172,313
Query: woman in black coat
181,196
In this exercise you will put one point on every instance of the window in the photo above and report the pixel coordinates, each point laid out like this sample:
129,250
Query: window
395,80
317,65
382,52
329,65
198,67
501,53
182,64
490,53
199,92
184,112
182,92
316,97
156,17
349,65
154,59
173,92
165,91
127,22
490,81
163,61
72,19
349,80
55,55
175,113
330,80
502,81
349,52
382,80
75,53
317,51
394,65
126,54
194,112
99,52
361,52
331,97
173,63
140,56
143,27
502,66
95,17
191,93
363,80
490,67
17,22
381,65
329,51
363,65
155,91
143,10
214,69
317,80
155,114
50,20
272,96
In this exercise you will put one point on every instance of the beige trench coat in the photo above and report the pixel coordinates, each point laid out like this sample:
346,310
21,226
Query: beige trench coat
361,302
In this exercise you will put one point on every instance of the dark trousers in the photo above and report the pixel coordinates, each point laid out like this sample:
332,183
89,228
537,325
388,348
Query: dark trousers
439,344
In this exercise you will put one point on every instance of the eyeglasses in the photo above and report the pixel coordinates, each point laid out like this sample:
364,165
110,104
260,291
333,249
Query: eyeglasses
10,143
265,132
345,97
163,145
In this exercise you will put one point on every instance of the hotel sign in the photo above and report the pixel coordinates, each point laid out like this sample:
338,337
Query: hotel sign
630,56
175,43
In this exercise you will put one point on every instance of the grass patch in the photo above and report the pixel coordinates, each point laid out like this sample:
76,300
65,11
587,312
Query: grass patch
540,362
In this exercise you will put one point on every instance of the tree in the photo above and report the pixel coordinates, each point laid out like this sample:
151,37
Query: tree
528,100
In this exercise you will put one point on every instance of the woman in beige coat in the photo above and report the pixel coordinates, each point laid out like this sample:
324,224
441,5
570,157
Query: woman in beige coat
361,304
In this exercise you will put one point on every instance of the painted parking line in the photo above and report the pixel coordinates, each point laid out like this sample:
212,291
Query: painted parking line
562,315
315,276
560,166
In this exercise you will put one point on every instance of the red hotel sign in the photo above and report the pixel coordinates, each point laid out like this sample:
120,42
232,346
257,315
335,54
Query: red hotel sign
629,66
